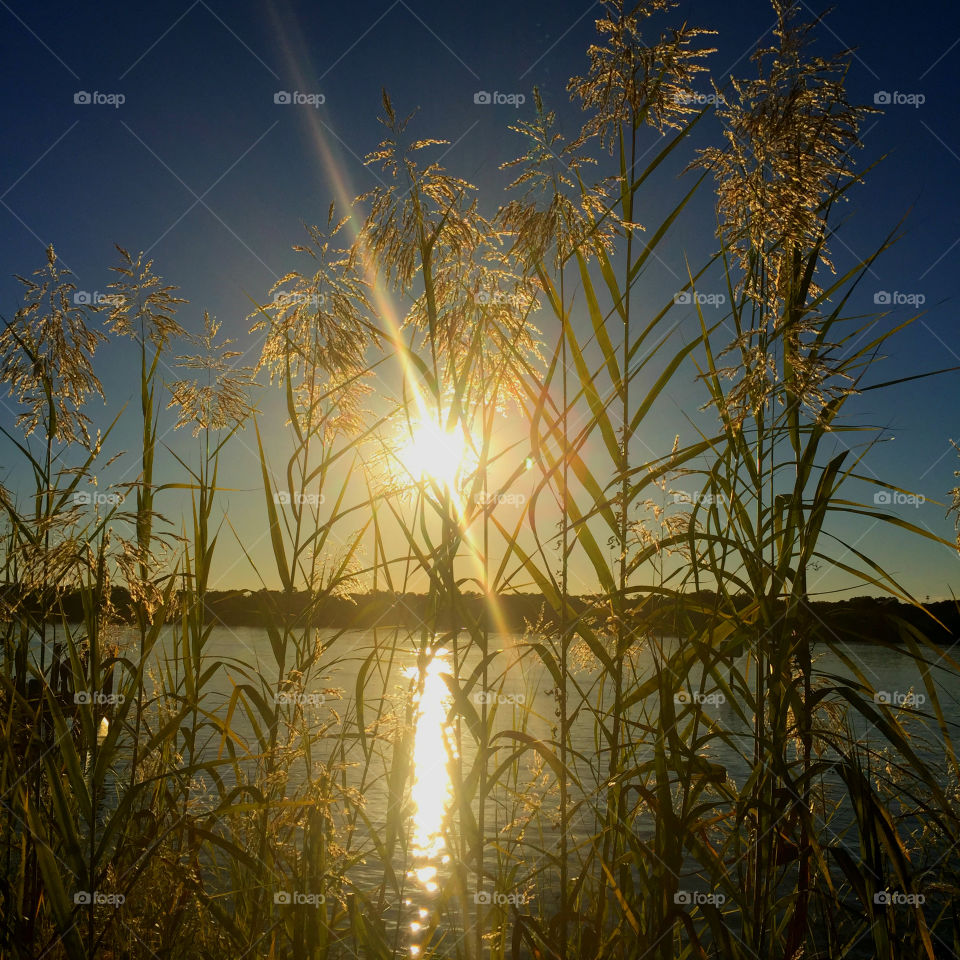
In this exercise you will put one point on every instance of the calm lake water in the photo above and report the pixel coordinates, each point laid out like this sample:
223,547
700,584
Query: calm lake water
526,701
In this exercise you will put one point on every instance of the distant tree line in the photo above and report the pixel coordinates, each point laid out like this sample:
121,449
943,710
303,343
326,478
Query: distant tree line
863,618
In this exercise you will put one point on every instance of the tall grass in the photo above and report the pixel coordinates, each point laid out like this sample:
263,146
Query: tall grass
195,790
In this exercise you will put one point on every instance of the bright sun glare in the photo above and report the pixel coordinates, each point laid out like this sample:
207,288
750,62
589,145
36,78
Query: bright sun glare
435,454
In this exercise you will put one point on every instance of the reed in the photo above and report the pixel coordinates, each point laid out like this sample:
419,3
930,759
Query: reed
202,793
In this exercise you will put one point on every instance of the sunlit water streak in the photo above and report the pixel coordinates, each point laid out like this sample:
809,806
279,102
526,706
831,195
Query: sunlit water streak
433,751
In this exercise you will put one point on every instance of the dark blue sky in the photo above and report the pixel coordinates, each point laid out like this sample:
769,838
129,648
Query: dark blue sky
203,169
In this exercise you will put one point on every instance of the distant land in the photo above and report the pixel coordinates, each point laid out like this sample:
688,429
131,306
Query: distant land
861,619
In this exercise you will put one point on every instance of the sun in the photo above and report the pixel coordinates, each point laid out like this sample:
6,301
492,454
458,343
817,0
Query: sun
432,453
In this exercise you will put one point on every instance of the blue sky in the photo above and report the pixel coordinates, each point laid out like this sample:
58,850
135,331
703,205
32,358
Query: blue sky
202,168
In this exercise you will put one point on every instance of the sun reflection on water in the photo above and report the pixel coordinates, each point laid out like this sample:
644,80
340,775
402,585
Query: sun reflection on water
431,792
431,754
